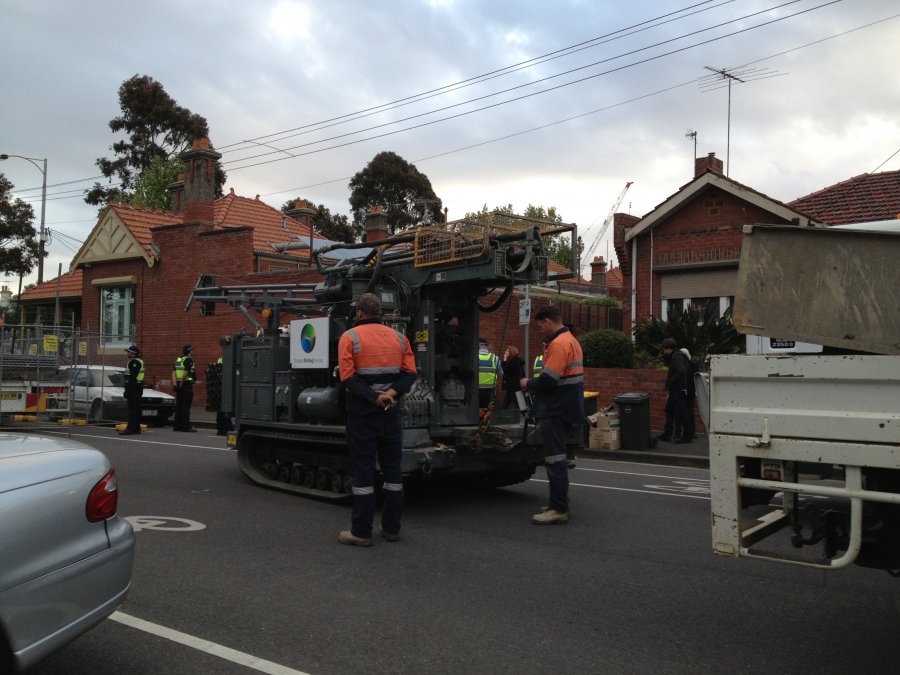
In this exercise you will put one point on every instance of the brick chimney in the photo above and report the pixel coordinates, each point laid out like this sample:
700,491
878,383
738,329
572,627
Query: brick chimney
598,273
376,224
199,182
303,213
708,163
176,192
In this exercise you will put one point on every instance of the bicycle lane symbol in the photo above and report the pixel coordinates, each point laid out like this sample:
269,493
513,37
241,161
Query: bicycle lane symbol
164,524
692,487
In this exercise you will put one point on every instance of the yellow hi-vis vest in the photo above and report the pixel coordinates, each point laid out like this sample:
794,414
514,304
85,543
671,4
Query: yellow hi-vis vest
140,376
538,365
180,371
488,365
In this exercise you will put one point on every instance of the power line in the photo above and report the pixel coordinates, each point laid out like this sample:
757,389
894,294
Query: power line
455,86
885,161
524,96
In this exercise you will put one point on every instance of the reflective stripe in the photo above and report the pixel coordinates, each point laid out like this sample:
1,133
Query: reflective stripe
370,490
394,487
575,379
552,459
354,338
551,373
381,370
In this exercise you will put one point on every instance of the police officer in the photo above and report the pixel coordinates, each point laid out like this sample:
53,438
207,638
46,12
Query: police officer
538,365
377,366
559,407
183,377
488,369
134,390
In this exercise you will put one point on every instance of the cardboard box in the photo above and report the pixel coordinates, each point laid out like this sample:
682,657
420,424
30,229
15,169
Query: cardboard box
603,432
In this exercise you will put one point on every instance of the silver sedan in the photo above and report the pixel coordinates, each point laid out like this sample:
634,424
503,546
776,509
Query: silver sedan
65,556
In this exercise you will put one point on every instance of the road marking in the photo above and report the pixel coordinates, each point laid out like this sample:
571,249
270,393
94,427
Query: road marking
646,475
139,440
165,523
620,489
202,645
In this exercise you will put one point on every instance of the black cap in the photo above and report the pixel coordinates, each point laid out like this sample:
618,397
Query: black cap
186,348
133,350
482,341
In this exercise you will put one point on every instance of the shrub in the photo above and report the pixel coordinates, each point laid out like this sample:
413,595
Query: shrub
607,348
702,334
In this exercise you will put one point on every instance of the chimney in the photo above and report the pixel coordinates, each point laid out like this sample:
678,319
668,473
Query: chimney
303,213
598,273
708,163
176,193
199,182
376,224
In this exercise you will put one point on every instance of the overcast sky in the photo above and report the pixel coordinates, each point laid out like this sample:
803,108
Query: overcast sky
820,100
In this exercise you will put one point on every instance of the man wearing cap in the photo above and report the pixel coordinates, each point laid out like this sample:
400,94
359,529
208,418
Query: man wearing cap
488,370
377,367
134,390
183,378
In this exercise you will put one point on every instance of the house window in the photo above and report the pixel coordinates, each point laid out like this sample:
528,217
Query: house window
117,315
720,305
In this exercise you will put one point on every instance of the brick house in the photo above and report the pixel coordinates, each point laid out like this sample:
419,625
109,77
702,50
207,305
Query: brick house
861,199
685,252
136,269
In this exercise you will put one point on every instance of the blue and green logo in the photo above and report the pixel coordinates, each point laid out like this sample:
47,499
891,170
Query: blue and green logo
308,338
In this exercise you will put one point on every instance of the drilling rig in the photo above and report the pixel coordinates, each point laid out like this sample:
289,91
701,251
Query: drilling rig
282,385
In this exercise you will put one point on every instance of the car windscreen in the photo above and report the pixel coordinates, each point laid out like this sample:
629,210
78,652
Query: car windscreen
109,378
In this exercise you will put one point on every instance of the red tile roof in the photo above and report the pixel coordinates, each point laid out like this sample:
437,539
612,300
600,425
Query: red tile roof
861,199
269,224
69,287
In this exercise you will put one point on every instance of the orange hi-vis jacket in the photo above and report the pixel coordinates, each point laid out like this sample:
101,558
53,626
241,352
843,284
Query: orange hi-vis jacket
560,386
373,358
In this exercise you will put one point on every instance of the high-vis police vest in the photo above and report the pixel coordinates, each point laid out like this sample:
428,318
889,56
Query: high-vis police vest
140,375
538,365
488,364
182,372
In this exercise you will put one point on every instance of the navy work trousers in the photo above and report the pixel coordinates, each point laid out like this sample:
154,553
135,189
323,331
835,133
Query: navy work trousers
554,432
184,396
374,436
133,397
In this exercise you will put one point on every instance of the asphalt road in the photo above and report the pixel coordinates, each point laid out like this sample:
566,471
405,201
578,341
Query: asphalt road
253,580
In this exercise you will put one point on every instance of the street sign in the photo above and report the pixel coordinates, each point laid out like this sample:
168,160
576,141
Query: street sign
524,311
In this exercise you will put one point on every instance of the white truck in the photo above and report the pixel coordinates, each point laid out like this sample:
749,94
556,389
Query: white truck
805,448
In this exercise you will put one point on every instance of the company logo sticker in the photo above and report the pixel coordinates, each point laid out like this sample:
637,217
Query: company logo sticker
308,338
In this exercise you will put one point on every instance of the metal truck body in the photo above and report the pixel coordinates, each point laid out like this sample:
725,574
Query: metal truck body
805,448
282,384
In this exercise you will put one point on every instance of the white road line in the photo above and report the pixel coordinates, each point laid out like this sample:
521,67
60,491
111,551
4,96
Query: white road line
634,473
202,645
140,440
619,489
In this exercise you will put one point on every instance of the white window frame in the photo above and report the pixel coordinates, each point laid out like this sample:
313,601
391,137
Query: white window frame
724,302
117,328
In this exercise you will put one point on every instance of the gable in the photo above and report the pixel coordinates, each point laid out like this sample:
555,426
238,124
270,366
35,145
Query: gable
110,240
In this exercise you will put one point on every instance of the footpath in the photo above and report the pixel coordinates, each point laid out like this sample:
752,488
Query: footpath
694,454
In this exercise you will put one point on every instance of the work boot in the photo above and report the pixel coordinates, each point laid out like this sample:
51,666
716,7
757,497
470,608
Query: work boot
550,517
388,536
347,537
546,508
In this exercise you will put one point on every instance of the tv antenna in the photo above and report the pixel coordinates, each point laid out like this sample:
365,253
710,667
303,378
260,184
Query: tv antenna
723,77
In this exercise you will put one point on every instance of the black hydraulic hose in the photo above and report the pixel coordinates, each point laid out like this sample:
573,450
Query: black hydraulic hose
503,296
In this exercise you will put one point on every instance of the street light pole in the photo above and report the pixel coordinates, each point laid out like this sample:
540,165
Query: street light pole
42,238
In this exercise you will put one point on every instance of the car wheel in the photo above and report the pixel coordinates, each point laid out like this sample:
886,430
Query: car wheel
96,413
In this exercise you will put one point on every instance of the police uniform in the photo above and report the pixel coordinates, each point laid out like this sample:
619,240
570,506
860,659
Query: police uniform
184,376
488,370
558,407
134,390
374,359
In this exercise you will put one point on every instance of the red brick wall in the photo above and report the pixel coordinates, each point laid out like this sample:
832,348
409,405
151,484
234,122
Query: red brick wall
612,382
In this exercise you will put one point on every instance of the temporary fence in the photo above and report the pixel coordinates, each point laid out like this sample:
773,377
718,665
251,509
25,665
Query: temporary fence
57,375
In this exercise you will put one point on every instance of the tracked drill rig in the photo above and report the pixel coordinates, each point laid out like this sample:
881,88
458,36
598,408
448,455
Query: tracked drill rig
282,384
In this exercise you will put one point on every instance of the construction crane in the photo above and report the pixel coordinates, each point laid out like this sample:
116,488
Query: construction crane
589,254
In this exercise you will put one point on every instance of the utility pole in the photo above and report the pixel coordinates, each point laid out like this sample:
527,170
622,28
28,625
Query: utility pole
42,237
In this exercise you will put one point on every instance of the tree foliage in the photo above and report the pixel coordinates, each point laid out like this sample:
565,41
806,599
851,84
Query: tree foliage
701,332
558,247
607,348
151,187
398,186
19,246
334,226
157,127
